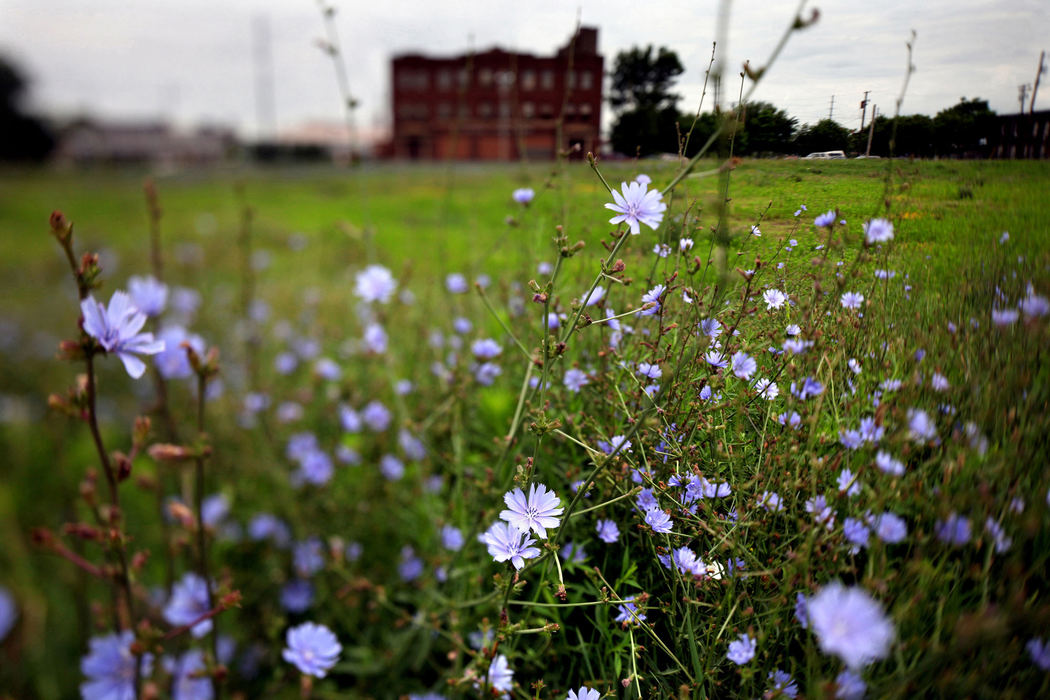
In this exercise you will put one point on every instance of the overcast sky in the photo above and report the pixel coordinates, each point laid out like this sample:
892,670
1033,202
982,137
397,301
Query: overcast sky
192,60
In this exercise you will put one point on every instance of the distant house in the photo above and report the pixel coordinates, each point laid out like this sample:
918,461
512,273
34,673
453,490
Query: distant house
498,105
1023,136
87,142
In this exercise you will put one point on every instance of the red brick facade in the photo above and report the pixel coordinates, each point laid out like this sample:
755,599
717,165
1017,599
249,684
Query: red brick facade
498,105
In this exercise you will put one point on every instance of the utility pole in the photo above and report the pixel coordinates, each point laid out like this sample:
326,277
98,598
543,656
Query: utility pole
1022,92
863,109
871,129
265,103
1035,88
831,110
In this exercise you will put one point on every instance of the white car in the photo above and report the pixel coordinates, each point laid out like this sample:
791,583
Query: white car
825,155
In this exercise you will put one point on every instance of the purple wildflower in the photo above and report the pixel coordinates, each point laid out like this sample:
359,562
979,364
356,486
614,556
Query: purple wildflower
802,610
851,300
878,231
148,294
849,686
451,538
1005,317
1039,650
391,467
376,416
191,682
889,527
172,362
312,648
8,612
485,373
822,512
711,327
856,532
658,520
888,464
506,542
410,567
742,650
537,512
636,205
774,298
850,624
499,676
848,484
822,220
375,283
188,603
116,328
649,371
297,596
109,667
607,531
921,428
575,379
652,297
308,556
783,685
523,195
744,365
628,613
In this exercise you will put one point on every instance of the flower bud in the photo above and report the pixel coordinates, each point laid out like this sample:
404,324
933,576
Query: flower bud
166,452
123,464
140,431
182,513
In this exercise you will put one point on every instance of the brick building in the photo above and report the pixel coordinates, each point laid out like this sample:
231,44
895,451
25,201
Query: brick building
497,105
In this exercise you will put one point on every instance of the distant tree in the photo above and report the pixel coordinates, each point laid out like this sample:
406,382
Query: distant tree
22,137
698,130
641,95
915,137
825,135
967,129
767,129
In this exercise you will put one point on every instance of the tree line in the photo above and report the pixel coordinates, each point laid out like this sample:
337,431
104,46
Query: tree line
649,122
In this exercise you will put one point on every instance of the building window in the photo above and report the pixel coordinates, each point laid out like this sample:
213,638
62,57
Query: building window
528,110
505,79
444,110
528,80
504,109
547,80
485,109
586,80
572,79
546,111
585,110
485,77
444,79
464,77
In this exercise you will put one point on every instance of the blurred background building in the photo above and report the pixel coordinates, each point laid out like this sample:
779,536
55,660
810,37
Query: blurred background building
497,105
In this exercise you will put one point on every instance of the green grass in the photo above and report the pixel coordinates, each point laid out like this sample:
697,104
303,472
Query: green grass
423,223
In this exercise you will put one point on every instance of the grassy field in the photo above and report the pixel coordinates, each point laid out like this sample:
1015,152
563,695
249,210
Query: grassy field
313,229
